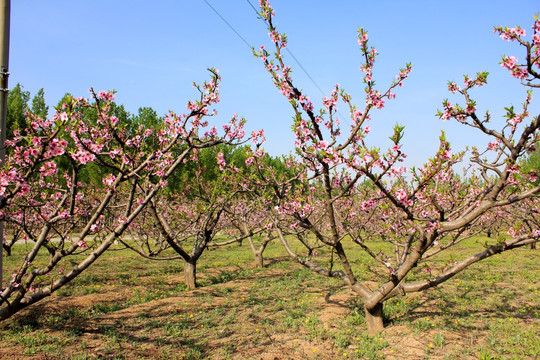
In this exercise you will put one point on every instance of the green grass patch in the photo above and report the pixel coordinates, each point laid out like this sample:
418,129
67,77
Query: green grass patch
490,311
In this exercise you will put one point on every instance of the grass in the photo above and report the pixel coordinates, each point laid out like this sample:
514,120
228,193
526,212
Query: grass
127,307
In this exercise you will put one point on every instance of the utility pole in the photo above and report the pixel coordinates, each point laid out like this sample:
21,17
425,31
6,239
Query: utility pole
5,10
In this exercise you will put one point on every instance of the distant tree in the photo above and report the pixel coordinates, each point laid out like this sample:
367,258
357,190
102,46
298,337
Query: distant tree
206,167
148,117
39,107
16,109
18,106
532,162
189,219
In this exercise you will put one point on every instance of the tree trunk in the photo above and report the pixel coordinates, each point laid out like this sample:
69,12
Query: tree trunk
374,319
190,275
259,260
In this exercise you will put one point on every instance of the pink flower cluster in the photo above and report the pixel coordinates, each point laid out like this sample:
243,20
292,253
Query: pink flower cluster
221,161
510,34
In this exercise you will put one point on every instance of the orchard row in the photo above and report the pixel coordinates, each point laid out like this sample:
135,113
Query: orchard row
92,178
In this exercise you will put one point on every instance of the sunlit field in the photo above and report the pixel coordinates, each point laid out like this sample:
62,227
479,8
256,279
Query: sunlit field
128,307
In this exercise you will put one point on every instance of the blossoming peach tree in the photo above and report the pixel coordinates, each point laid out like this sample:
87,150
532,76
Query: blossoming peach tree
59,215
352,193
189,222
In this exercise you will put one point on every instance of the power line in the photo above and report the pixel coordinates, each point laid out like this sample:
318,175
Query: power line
253,7
294,57
226,22
251,47
305,71
301,67
287,49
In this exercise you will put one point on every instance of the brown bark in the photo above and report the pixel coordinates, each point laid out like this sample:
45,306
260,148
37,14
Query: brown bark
374,319
259,260
190,275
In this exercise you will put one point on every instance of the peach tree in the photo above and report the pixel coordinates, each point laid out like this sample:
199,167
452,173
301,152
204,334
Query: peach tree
353,193
67,223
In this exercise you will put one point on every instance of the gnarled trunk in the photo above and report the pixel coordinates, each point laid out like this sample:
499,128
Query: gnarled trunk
374,319
190,274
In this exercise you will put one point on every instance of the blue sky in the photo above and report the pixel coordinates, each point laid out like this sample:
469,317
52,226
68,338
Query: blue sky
151,52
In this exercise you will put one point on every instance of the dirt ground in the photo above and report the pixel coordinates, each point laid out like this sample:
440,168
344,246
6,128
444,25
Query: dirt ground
137,331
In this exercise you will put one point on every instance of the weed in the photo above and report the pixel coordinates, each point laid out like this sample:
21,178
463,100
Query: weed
175,328
105,308
485,355
223,276
439,339
423,324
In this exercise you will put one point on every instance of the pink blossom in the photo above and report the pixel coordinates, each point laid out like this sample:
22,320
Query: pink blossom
48,169
36,141
323,144
34,152
25,189
492,146
257,136
109,180
104,95
362,38
375,99
221,161
509,62
515,120
536,39
517,31
520,72
83,157
35,125
401,195
447,155
82,244
453,87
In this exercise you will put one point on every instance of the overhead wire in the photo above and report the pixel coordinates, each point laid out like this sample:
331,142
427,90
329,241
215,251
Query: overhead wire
302,67
294,57
251,47
229,25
